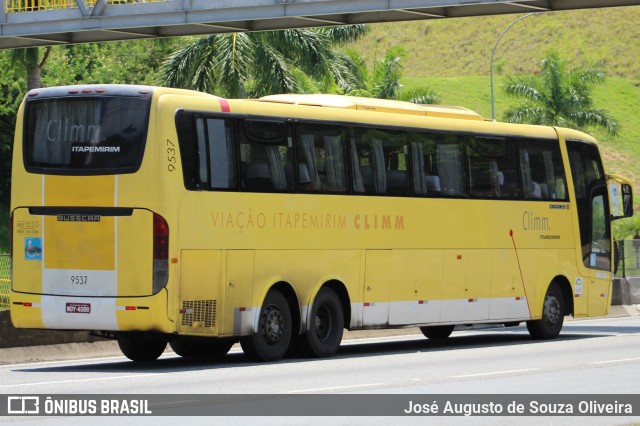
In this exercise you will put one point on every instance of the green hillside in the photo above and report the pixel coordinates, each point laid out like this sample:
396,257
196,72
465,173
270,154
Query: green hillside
452,56
462,46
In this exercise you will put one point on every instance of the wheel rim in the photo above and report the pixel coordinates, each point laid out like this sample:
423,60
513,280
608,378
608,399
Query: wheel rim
323,323
273,325
551,310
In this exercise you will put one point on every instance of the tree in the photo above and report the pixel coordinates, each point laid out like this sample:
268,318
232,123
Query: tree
29,61
557,97
122,62
259,63
383,80
11,93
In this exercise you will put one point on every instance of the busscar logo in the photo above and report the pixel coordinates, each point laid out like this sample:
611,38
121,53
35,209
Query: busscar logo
23,405
78,218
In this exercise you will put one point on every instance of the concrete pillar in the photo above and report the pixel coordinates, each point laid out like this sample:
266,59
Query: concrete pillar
633,291
616,296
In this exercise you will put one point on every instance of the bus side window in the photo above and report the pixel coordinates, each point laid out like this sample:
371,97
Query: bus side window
334,163
424,169
450,161
264,152
222,174
492,168
541,171
382,159
362,164
202,156
187,140
321,158
207,151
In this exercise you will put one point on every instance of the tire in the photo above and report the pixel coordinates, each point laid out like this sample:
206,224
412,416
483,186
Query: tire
437,332
273,336
553,311
201,347
324,330
140,348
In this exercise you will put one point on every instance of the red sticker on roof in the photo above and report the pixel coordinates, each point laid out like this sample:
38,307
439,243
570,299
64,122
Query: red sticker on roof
224,104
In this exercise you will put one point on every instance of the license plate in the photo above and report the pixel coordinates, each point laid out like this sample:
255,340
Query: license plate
78,308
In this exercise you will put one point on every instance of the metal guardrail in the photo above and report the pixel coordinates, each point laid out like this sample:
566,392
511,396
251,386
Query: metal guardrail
627,258
32,5
5,281
14,6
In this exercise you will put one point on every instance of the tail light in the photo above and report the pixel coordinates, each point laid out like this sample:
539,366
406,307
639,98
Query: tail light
160,253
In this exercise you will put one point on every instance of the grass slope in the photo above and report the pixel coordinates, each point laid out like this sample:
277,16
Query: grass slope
462,46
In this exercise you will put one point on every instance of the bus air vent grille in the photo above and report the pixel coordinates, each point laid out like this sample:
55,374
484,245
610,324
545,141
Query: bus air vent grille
198,313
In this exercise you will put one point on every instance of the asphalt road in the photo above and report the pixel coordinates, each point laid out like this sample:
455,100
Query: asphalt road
595,356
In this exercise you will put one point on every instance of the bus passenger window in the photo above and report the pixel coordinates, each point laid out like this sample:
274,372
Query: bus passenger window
381,158
216,157
424,169
321,158
203,165
265,153
541,171
492,168
207,152
449,159
221,155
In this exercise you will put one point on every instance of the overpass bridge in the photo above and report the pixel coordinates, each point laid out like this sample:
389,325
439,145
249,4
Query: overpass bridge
28,23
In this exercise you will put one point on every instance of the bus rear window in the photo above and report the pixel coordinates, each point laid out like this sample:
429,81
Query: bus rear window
86,136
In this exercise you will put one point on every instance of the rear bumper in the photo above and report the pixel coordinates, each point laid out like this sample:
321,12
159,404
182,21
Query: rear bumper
91,313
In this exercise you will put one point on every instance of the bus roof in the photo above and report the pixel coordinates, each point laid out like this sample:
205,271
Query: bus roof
377,105
111,89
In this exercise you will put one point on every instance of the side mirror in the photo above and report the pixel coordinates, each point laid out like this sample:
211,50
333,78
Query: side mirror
621,196
627,200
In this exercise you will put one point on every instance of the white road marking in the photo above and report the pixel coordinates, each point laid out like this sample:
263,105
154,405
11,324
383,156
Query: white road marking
611,361
59,382
335,388
73,362
495,373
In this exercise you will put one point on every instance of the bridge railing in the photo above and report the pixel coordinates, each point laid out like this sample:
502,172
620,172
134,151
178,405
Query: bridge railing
5,281
14,6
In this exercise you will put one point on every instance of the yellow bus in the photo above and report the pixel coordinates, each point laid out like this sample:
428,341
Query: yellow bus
160,216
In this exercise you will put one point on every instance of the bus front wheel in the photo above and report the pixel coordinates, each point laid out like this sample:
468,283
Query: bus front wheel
324,332
140,348
437,332
553,312
273,336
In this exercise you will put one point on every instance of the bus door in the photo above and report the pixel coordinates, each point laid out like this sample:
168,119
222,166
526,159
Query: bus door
594,221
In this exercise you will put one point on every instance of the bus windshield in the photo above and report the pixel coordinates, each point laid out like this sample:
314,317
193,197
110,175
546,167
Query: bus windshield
87,135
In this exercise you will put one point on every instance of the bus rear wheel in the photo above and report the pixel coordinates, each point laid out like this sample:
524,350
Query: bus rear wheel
324,331
273,336
437,332
140,348
201,347
553,312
